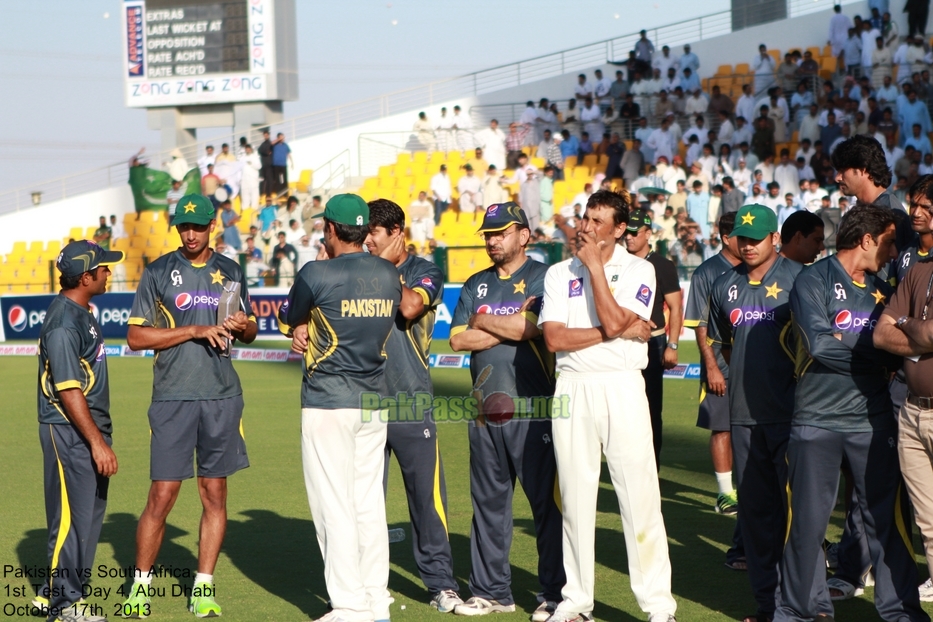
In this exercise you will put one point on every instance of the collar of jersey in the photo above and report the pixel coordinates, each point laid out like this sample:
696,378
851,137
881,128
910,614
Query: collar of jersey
619,257
508,277
842,269
767,275
197,265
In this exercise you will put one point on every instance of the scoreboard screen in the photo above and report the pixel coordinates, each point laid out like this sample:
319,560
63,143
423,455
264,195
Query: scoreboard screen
188,52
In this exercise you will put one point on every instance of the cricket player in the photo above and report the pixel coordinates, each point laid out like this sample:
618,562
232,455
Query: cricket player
414,440
842,412
197,400
595,316
662,349
75,429
513,385
802,237
749,321
340,313
713,414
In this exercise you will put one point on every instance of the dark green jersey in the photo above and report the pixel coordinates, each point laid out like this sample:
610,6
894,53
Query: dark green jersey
517,368
753,319
696,312
173,293
905,260
410,340
71,356
842,379
349,304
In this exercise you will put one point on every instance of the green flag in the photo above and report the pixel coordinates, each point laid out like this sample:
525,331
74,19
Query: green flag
150,186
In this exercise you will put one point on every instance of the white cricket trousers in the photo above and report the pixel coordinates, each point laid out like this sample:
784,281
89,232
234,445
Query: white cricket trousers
249,194
343,455
609,411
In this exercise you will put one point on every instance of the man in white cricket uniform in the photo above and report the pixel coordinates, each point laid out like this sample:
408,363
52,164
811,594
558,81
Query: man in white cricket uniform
596,315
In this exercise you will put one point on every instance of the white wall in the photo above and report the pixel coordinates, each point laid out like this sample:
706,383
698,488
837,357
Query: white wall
54,220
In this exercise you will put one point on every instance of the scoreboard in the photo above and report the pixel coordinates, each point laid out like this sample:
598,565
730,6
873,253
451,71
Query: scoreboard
189,52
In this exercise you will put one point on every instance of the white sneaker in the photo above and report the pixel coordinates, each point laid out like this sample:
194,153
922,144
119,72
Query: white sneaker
544,611
926,591
661,617
70,616
476,606
566,616
446,601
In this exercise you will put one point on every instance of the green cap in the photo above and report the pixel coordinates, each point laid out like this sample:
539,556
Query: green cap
196,209
347,209
84,256
501,216
754,221
637,219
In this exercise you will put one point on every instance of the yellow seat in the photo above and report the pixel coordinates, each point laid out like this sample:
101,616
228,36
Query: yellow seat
776,55
590,160
53,247
570,162
742,69
304,180
386,171
420,157
724,70
75,233
36,246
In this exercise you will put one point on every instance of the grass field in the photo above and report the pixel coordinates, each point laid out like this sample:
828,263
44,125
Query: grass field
270,567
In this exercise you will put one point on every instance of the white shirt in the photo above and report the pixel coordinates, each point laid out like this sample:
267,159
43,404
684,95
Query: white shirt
251,167
868,45
601,89
583,90
529,116
696,105
742,135
726,130
743,179
591,114
568,300
662,143
203,161
440,187
664,63
462,121
745,108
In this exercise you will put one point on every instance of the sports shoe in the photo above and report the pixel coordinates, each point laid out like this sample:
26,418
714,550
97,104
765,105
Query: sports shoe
662,617
202,603
566,616
446,601
476,606
544,611
138,605
926,591
727,503
846,590
832,554
69,615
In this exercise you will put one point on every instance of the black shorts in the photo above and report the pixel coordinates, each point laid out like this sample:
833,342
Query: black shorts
213,427
713,414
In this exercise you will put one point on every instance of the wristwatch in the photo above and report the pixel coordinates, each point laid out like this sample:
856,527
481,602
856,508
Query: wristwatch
673,345
901,321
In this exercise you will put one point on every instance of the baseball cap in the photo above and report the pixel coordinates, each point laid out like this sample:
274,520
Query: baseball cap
196,209
347,209
637,219
501,216
83,256
754,221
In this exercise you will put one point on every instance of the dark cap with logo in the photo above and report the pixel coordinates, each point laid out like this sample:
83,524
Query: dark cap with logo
195,209
84,256
501,216
347,209
637,219
755,222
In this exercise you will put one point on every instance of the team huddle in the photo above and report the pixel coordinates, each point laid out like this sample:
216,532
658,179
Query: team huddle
806,371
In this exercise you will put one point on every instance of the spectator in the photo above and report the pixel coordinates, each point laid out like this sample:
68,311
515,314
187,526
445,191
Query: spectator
887,94
265,158
570,117
763,139
229,218
267,216
421,213
281,159
586,145
696,103
687,252
661,141
471,191
225,155
178,167
764,70
786,174
664,62
306,252
546,194
529,193
720,102
852,54
881,63
424,131
678,199
917,13
513,143
910,112
743,133
441,193
591,118
916,55
745,107
255,264
787,73
177,192
222,249
732,197
618,90
698,207
773,198
295,233
284,260
478,163
631,164
444,132
804,170
116,228
249,180
494,190
601,90
809,71
690,61
662,107
210,182
582,90
554,157
543,145
644,50
839,26
643,133
868,35
207,158
103,234
462,127
919,141
778,113
790,207
689,82
492,140
742,176
667,230
830,133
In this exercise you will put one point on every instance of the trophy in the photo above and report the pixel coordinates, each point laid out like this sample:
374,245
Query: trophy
228,305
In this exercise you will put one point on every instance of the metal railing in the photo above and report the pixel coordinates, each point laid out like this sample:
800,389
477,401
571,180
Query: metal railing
478,83
333,174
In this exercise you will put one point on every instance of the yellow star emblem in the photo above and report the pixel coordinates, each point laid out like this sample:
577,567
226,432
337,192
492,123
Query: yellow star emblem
217,277
773,291
879,297
190,207
520,287
748,219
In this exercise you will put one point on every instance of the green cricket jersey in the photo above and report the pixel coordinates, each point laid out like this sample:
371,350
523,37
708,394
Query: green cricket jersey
172,293
72,356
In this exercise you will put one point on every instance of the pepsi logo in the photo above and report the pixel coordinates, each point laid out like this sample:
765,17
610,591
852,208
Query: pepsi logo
576,284
735,316
481,309
843,320
492,210
17,318
183,301
645,291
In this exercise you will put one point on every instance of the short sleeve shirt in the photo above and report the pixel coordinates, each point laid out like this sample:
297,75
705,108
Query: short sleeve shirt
349,304
410,340
172,293
909,299
516,368
72,356
696,311
668,283
568,300
754,319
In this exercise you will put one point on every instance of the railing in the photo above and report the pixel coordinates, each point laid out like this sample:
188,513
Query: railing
486,81
333,174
